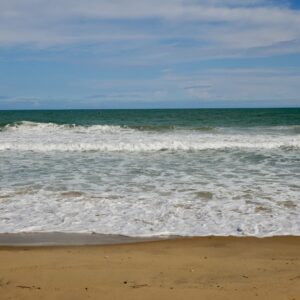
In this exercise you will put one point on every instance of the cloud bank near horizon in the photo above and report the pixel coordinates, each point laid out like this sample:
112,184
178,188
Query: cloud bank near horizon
135,51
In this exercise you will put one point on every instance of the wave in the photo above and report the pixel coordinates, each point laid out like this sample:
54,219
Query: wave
44,137
36,126
171,128
145,147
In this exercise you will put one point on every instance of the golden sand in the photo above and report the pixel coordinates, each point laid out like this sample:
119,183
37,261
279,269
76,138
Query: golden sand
197,268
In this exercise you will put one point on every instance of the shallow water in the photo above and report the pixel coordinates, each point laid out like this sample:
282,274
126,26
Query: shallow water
151,172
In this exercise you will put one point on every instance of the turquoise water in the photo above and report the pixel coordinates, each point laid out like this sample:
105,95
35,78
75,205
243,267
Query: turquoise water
151,172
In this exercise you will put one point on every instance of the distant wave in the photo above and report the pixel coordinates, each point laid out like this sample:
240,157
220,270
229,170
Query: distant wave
36,126
169,128
28,125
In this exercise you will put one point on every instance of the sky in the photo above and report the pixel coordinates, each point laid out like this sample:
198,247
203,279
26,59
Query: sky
63,54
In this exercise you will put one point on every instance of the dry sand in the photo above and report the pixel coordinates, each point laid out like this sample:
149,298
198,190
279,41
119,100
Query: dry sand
197,268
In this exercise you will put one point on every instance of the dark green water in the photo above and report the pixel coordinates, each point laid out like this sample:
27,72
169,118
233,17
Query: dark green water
160,118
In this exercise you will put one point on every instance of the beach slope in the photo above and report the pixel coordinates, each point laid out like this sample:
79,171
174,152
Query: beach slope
195,268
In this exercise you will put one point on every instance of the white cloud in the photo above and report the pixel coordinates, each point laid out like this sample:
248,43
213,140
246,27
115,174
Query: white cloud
229,24
156,34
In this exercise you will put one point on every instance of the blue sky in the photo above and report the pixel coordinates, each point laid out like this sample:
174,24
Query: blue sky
149,53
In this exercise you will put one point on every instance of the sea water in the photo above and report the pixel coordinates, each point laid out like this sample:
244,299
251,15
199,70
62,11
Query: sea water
151,172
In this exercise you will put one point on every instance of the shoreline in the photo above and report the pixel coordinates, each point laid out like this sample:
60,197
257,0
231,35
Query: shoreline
73,239
47,239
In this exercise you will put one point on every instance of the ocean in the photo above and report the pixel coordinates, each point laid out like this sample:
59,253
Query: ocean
186,172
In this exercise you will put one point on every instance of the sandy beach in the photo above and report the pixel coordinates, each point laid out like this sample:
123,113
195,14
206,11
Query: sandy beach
195,268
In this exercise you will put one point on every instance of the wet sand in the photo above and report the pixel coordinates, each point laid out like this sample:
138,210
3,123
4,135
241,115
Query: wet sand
69,239
196,268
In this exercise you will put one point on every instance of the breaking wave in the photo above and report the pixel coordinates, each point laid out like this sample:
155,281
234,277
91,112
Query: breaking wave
44,137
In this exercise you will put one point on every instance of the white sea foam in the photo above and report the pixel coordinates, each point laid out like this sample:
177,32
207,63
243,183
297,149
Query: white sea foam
45,137
147,217
27,126
90,179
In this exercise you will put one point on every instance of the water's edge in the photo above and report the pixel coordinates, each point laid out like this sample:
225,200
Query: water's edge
38,239
63,239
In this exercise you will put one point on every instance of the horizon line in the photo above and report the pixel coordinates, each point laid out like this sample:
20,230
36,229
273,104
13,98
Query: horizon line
147,108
